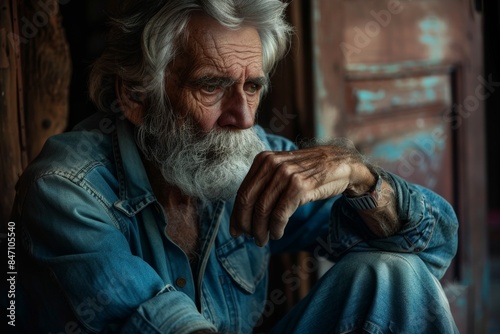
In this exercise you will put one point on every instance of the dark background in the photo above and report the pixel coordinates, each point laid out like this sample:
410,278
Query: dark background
492,106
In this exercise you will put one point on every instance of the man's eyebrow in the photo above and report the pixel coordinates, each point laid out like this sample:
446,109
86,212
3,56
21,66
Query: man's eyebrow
213,80
225,81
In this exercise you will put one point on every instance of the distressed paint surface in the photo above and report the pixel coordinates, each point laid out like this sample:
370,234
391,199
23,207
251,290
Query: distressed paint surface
434,36
384,95
391,68
417,148
393,150
418,155
367,100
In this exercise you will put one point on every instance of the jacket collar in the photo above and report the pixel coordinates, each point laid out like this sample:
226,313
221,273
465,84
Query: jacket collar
135,191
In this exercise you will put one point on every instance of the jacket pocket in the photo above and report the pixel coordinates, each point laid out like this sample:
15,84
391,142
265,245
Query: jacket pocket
245,262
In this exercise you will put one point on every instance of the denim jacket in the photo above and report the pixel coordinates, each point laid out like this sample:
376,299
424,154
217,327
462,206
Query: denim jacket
96,258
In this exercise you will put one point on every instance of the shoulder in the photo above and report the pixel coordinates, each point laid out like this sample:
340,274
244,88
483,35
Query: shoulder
74,170
69,152
73,155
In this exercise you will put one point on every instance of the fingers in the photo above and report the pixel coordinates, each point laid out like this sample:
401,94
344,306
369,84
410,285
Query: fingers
250,193
276,185
271,212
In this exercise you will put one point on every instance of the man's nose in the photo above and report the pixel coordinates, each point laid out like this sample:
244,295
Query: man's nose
236,112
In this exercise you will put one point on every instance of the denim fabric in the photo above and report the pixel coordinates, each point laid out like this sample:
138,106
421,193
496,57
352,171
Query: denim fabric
95,256
373,292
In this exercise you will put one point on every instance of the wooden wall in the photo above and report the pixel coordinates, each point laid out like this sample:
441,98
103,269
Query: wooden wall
35,72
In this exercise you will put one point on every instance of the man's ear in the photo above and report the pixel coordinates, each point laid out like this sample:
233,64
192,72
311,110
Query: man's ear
131,106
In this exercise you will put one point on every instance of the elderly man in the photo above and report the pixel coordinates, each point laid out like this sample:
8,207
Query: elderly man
161,218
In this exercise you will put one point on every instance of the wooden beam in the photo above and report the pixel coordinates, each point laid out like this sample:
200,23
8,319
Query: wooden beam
11,117
47,72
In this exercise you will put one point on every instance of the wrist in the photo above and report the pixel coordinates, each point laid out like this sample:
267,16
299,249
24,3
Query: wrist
365,197
363,181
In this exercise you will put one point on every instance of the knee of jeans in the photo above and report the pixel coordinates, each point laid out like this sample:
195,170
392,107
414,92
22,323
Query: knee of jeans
382,265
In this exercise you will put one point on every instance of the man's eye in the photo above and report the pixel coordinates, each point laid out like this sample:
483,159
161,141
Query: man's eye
209,93
209,88
252,88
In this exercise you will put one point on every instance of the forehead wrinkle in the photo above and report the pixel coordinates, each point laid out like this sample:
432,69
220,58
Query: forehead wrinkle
247,51
228,54
231,47
230,66
211,54
231,61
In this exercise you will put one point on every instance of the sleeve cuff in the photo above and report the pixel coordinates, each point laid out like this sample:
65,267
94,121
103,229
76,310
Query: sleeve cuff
170,311
349,232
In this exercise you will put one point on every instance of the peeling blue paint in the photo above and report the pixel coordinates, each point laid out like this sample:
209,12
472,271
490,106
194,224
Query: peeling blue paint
415,98
434,36
432,24
422,142
396,101
393,67
366,99
430,95
391,152
430,82
409,92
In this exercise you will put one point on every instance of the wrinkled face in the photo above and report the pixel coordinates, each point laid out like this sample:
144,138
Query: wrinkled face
218,79
214,88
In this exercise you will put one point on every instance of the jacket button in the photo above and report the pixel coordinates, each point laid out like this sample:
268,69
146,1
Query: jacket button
180,282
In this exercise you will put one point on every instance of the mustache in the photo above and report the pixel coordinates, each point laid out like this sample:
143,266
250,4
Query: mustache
208,165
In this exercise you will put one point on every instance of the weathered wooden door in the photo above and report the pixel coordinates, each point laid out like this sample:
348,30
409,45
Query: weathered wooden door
403,80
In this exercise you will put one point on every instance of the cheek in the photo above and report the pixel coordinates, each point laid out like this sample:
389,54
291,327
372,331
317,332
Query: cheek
253,104
204,116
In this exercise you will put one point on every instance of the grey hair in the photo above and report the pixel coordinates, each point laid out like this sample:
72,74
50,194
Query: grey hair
145,36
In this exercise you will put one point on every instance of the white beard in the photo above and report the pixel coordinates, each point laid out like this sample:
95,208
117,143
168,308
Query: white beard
209,166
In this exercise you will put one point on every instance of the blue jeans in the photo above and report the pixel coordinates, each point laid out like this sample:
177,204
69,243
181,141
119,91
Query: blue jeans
373,292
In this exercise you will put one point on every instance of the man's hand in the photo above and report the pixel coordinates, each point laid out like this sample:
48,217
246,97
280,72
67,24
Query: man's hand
279,182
